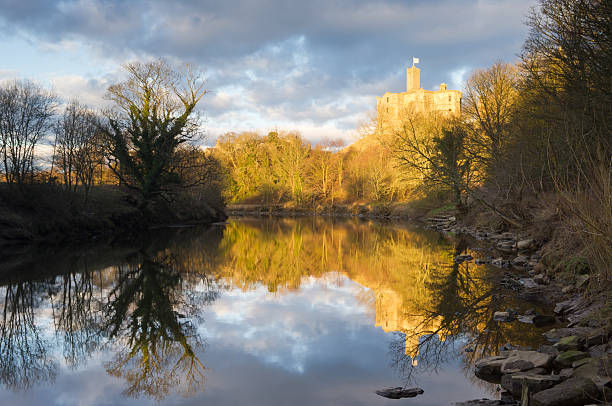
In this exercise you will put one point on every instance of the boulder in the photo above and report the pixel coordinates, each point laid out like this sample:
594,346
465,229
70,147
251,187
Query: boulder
596,337
399,392
581,280
507,247
584,361
519,361
508,347
573,342
525,244
567,358
541,279
527,318
535,383
575,391
503,316
548,349
591,369
557,334
520,261
597,351
528,282
499,262
566,373
562,307
489,368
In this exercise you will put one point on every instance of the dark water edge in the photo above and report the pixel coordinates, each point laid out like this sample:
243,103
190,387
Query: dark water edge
48,216
444,322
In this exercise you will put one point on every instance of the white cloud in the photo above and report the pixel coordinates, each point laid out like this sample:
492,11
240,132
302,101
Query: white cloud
87,91
312,66
458,78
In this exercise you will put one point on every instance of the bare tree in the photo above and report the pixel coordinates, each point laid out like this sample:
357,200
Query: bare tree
153,117
77,149
568,62
489,102
435,150
26,110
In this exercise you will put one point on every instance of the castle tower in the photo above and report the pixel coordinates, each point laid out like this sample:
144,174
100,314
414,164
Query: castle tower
413,78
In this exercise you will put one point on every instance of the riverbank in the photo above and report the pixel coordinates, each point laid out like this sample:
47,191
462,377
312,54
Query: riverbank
404,211
49,214
575,366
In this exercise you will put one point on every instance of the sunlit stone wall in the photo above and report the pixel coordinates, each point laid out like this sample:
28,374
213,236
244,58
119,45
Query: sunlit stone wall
391,108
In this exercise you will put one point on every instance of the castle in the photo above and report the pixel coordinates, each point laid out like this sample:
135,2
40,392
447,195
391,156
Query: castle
391,107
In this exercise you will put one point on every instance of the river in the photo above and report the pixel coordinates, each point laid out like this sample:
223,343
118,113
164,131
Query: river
309,311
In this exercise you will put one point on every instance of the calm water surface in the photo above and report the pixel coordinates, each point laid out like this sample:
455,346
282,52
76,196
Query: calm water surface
256,312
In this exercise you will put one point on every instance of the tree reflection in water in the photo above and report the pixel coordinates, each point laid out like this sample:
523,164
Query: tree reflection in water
75,316
23,351
145,310
143,313
140,310
459,318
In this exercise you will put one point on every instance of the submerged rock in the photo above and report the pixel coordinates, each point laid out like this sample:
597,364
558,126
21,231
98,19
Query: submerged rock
503,316
399,392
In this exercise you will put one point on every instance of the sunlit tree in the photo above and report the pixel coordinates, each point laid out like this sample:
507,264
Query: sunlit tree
154,114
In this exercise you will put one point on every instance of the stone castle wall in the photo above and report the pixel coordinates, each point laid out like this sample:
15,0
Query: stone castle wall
391,107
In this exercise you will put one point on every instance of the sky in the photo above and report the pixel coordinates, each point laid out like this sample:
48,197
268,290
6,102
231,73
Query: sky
313,66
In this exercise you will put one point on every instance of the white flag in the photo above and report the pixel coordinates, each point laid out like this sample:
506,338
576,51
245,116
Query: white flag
415,60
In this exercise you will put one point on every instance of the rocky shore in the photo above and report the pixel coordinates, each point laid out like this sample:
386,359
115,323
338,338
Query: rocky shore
574,365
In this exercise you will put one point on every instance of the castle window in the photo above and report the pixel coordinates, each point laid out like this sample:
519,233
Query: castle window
449,98
387,100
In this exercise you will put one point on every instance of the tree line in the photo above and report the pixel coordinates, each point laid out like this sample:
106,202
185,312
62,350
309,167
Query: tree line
147,141
282,167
